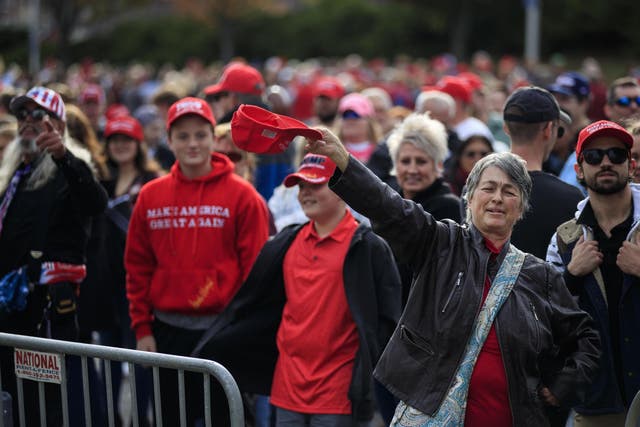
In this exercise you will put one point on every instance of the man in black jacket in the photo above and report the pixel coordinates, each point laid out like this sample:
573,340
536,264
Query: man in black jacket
312,319
49,194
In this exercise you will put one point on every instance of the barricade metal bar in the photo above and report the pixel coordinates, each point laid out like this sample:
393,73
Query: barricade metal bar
42,404
134,395
207,400
85,391
181,399
109,392
156,395
2,403
160,360
20,401
633,414
63,391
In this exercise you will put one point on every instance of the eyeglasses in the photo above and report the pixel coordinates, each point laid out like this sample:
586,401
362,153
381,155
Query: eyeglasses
350,114
560,131
616,155
36,114
474,154
626,101
217,96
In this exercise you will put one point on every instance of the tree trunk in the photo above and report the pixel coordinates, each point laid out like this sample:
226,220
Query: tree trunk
461,28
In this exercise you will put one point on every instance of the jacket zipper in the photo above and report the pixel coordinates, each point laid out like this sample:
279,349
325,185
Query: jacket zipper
455,287
415,339
533,308
537,330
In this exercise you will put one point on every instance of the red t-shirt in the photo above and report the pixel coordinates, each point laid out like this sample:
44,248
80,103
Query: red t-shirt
317,338
488,399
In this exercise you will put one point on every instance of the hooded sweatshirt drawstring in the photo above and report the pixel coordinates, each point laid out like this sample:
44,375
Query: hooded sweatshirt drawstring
194,241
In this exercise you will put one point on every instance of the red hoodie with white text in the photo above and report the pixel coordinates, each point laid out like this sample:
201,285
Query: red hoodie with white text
192,242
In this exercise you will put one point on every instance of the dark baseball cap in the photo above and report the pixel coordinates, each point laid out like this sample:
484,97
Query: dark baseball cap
533,104
571,83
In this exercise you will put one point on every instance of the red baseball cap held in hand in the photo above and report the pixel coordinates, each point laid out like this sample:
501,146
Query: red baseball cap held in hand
190,105
257,130
603,128
124,125
314,169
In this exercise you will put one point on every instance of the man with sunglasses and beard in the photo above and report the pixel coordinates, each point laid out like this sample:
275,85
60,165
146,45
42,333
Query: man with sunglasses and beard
48,194
599,254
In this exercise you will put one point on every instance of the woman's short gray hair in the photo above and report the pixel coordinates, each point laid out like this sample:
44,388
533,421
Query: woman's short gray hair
512,165
421,131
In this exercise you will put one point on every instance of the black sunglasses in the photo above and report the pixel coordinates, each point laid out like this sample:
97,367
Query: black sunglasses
350,114
616,155
36,114
560,131
626,101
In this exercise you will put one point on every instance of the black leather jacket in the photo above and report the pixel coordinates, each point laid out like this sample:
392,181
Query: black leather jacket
545,339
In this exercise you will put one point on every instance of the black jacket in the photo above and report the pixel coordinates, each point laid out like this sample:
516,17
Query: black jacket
545,339
243,337
440,201
76,197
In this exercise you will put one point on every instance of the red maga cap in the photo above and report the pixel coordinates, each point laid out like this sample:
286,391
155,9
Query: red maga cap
457,87
314,169
190,105
603,128
328,86
124,125
260,131
239,78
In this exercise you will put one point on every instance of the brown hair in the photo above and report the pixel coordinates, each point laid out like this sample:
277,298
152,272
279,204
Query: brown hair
80,129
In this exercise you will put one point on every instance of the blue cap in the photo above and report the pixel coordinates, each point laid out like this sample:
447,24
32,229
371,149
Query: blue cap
571,83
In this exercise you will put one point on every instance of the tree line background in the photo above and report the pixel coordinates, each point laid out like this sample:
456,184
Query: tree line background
161,31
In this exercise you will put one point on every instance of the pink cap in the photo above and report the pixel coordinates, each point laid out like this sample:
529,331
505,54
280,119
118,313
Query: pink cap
189,105
357,103
124,125
257,130
239,78
314,169
47,98
603,128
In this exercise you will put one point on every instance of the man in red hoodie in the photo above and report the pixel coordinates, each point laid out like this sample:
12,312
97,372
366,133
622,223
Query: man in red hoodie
193,237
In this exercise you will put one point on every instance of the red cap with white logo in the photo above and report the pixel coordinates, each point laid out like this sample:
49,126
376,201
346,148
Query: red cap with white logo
190,105
124,125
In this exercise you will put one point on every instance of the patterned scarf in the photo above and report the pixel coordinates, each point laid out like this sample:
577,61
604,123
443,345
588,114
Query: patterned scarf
452,410
11,191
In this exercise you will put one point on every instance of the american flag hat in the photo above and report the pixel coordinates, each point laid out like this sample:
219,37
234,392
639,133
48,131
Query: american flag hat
48,99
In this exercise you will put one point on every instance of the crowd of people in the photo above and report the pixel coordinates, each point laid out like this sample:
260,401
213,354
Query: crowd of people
455,244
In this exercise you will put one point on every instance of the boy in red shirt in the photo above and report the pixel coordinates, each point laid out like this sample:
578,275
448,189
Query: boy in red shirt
322,301
193,237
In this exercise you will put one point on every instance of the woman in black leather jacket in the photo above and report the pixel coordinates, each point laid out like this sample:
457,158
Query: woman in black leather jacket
480,339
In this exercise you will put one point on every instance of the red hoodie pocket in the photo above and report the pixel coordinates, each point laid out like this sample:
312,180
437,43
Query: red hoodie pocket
188,291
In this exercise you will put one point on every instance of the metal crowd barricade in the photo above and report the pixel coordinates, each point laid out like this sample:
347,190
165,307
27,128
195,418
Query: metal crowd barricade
155,360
